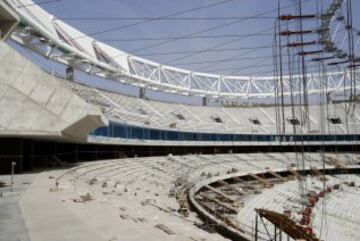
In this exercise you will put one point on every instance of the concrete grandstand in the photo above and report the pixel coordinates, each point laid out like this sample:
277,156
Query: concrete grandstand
96,164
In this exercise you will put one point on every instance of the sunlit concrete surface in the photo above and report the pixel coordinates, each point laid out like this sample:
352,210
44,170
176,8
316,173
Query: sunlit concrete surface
12,224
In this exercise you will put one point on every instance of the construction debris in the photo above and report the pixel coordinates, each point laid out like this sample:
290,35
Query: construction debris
3,184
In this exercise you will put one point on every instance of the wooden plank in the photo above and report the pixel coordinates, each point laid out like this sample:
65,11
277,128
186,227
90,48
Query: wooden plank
334,161
220,193
295,173
276,175
262,180
222,182
316,171
223,204
245,183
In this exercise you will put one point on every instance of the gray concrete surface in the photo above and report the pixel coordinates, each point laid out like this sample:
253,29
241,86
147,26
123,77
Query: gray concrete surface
47,218
12,224
36,103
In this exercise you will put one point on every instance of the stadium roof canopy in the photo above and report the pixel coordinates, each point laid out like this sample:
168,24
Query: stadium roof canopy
41,32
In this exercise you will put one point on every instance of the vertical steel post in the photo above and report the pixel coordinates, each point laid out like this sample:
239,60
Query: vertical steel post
256,227
13,164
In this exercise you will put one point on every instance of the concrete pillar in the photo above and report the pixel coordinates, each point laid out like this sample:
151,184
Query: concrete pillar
70,73
205,101
142,93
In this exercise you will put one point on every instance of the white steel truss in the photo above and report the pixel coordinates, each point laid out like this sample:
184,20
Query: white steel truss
42,33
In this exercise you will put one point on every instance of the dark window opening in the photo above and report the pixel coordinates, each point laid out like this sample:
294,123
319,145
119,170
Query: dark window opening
334,120
217,119
293,121
255,121
179,116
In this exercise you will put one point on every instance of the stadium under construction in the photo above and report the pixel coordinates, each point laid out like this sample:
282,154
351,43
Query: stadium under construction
190,154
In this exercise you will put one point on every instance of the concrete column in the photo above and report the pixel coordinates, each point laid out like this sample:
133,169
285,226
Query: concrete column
142,93
205,101
70,73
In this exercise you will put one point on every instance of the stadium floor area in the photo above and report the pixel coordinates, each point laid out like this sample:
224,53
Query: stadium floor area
12,224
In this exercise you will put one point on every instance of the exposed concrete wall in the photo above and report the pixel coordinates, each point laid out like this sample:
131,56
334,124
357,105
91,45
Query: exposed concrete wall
8,20
32,102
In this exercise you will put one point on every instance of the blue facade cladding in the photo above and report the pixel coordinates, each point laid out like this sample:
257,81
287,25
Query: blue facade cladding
119,130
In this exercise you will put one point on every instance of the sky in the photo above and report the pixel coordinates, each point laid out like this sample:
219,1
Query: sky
232,52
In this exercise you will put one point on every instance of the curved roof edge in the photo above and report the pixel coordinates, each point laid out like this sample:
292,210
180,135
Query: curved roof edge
43,33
